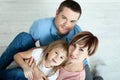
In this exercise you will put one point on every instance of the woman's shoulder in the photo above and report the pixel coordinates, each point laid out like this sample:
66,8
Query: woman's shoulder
77,75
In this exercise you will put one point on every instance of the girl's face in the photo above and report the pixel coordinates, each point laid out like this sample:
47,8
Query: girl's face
77,53
56,56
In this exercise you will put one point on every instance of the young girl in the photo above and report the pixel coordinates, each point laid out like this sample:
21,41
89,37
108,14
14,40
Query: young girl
47,60
82,46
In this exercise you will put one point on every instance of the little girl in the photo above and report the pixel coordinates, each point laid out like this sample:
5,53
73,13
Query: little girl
48,60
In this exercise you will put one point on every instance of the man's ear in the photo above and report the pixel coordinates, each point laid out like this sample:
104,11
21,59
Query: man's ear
56,12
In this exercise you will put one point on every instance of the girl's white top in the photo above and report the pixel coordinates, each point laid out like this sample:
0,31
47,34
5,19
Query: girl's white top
37,54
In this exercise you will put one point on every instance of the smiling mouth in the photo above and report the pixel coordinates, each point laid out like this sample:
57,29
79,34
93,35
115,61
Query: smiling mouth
72,57
65,30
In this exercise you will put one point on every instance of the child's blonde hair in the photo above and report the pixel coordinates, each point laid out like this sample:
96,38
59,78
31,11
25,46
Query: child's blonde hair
59,43
87,39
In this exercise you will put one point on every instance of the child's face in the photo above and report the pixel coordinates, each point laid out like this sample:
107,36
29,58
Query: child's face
56,56
77,53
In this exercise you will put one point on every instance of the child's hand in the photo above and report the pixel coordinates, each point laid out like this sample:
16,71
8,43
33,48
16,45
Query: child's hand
30,61
28,73
37,74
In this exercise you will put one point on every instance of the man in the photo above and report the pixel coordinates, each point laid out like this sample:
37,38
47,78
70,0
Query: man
62,26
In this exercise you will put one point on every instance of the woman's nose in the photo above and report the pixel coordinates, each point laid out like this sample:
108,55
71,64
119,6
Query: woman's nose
74,52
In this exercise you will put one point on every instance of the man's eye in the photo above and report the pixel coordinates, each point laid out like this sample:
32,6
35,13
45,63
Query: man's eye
72,21
63,18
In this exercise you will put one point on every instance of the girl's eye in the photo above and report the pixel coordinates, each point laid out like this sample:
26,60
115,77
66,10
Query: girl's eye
56,53
61,57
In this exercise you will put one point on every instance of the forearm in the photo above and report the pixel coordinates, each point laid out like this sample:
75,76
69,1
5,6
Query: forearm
20,61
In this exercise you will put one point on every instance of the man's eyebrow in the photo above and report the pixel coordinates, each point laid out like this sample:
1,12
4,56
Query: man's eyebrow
74,20
66,18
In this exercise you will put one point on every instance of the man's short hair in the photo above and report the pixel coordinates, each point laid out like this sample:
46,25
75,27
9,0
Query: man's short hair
73,5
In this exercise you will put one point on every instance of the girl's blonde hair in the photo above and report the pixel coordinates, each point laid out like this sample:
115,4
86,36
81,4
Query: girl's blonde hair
59,43
87,39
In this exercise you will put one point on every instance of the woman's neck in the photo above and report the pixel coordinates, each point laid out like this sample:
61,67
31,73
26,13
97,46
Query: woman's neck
73,67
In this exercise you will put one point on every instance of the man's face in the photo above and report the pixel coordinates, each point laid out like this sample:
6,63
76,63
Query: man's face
65,20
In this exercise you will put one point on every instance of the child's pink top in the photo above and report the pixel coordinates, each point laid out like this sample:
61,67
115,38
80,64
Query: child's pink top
66,75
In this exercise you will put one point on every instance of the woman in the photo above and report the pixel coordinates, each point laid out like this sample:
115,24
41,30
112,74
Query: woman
82,46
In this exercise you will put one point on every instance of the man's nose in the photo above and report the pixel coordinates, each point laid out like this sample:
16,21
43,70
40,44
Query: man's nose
67,23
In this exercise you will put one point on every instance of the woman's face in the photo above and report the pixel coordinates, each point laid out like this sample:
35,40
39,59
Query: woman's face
77,53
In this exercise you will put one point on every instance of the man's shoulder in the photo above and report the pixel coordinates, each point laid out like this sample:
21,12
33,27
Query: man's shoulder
50,19
45,22
77,28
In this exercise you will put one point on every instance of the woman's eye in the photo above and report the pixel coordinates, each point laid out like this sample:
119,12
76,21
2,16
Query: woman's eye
81,49
73,45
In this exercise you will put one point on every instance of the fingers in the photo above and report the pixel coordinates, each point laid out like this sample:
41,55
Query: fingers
39,76
44,78
33,65
29,75
29,61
